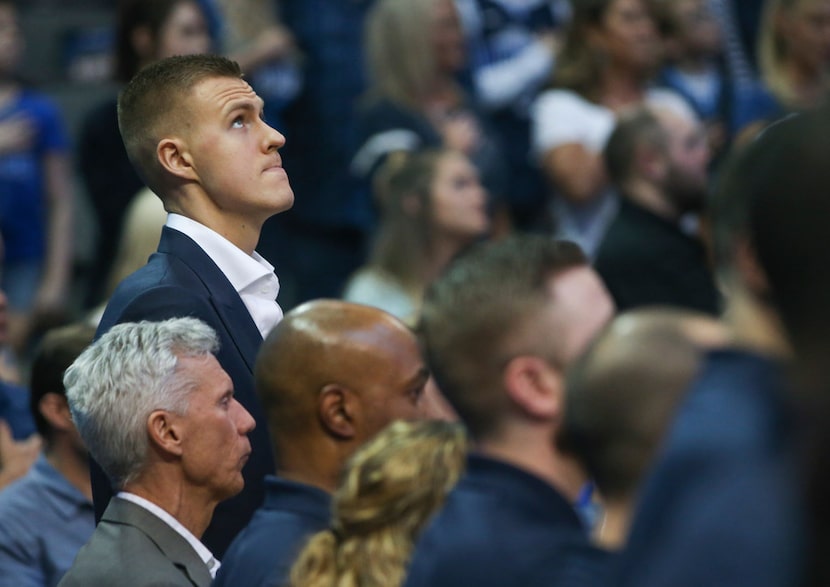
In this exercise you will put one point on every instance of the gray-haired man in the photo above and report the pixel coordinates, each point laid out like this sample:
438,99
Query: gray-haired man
157,412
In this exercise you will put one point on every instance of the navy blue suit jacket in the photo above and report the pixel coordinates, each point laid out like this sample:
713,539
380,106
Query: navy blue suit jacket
722,506
503,526
263,553
181,280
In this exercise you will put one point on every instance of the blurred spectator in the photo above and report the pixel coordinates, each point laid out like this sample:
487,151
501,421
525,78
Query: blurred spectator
611,52
432,206
794,51
265,50
390,489
500,326
786,177
35,196
621,401
513,45
47,515
143,220
147,30
698,71
322,240
657,161
723,505
19,445
416,52
331,375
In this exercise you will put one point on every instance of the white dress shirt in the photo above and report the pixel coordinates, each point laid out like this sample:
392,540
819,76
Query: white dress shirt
250,275
201,550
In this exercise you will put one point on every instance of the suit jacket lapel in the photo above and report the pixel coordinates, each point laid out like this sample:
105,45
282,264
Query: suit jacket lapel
172,544
225,299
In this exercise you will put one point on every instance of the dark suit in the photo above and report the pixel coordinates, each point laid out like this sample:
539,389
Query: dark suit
132,547
181,280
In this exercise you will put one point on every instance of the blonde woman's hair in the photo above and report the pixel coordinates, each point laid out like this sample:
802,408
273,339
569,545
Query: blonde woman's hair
772,52
390,489
401,61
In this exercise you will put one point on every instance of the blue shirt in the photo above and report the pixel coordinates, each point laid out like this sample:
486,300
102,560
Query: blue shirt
23,206
262,554
44,522
722,506
503,526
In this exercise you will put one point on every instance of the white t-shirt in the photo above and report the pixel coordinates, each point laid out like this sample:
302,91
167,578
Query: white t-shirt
563,117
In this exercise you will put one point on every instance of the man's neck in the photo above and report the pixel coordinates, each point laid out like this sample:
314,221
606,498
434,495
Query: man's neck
190,509
242,232
533,450
754,325
71,464
311,464
647,195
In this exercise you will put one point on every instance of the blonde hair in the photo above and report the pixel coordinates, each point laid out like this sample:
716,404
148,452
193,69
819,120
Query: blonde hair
390,489
772,52
400,63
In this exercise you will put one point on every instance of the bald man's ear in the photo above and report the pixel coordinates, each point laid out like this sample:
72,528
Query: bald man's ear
165,432
336,409
534,386
175,158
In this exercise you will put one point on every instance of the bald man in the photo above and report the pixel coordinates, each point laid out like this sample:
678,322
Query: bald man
330,376
620,401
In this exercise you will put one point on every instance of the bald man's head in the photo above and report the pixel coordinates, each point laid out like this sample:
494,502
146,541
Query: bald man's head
339,369
622,392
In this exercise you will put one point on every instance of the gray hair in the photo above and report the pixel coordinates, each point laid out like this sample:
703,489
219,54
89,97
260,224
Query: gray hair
131,371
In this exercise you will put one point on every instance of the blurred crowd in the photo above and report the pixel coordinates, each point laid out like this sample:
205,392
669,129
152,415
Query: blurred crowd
650,169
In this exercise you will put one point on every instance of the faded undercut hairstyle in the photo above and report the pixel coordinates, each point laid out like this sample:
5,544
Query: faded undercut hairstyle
390,488
128,373
478,310
155,101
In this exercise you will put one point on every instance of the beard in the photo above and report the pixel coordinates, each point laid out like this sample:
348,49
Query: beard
685,191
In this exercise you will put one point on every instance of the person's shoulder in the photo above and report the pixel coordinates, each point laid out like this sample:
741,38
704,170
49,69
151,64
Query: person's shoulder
560,99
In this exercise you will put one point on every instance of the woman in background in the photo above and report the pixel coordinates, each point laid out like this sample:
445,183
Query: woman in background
794,51
390,489
432,206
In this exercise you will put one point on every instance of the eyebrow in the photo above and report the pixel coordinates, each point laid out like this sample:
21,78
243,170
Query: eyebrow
247,104
422,374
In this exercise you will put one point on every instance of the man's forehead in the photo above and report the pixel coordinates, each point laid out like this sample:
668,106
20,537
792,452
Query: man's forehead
221,90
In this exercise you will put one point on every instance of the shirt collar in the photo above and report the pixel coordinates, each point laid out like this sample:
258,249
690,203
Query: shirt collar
201,550
241,269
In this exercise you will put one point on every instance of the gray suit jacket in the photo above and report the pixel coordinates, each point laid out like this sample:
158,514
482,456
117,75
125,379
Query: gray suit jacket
131,547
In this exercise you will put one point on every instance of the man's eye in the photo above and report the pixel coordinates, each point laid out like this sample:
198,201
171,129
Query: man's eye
238,122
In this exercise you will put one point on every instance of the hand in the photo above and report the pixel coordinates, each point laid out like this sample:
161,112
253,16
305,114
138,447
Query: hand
551,40
49,308
16,457
16,134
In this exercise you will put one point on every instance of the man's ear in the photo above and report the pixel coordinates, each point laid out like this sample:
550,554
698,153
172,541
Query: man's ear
649,162
534,386
165,432
174,157
54,408
336,409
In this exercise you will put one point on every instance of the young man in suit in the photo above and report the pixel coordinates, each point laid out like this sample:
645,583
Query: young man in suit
193,129
158,412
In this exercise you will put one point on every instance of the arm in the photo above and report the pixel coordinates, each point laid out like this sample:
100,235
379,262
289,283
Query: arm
53,286
578,174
